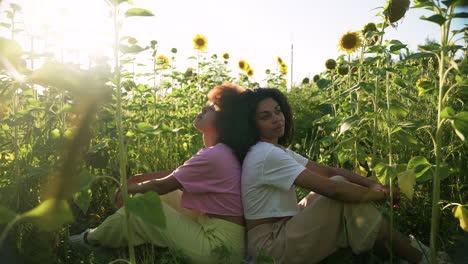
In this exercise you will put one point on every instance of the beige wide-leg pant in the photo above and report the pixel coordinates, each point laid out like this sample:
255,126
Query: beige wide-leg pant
201,238
322,226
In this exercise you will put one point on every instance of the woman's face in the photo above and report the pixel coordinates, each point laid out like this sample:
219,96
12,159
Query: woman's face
269,119
205,120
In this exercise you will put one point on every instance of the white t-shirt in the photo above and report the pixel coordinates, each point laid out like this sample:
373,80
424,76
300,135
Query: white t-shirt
268,174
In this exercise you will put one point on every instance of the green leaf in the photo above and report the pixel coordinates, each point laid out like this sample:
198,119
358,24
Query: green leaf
398,109
55,133
435,18
459,15
447,112
420,166
461,213
85,83
460,124
11,51
138,12
448,3
406,182
98,146
83,199
145,127
419,55
323,83
6,215
398,47
400,82
131,49
49,215
347,124
148,207
3,24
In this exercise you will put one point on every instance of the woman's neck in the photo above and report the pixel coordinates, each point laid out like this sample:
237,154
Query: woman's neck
210,140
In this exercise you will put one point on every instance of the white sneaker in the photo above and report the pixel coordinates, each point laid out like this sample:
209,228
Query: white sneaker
80,240
425,250
442,257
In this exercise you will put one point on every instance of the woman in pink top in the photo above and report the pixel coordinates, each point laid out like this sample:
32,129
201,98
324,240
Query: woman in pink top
204,220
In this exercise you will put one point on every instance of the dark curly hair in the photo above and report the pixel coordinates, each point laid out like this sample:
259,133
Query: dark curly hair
240,132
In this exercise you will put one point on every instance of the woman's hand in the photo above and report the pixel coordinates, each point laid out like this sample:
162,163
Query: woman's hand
132,188
386,190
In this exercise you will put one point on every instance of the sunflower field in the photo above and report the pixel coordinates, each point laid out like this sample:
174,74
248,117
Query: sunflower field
71,135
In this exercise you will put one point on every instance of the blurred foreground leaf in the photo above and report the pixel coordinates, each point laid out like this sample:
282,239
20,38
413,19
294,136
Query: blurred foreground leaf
148,207
49,215
6,215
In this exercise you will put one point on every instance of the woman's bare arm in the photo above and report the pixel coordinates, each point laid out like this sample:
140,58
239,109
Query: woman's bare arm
328,172
338,190
161,186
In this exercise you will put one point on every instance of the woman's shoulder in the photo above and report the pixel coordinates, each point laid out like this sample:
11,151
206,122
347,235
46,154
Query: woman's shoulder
218,151
263,151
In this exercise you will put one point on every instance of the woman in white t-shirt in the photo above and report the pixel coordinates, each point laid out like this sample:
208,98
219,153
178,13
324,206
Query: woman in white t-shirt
337,213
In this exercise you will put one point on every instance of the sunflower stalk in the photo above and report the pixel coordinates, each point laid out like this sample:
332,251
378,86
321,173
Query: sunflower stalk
122,152
445,29
390,161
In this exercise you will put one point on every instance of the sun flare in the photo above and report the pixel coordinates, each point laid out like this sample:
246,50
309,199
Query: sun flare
79,30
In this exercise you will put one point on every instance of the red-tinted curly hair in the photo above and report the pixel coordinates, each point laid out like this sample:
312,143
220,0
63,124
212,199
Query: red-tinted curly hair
224,94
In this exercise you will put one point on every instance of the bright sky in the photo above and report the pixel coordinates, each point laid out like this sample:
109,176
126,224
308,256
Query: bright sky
254,30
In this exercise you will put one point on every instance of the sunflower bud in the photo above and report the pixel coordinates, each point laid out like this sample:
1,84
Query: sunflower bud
316,78
226,56
343,70
395,10
305,80
330,64
370,27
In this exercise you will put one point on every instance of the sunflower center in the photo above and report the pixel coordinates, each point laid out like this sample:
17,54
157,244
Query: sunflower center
200,42
349,41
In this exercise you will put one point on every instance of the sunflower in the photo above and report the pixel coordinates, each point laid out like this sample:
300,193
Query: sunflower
395,10
343,70
243,65
305,80
250,72
162,61
370,27
350,42
330,64
316,78
279,60
283,69
199,42
226,56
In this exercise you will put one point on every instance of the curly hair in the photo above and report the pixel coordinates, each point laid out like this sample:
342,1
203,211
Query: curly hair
240,131
224,97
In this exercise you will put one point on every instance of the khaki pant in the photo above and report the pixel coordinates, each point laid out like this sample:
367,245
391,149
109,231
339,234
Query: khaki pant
322,226
201,238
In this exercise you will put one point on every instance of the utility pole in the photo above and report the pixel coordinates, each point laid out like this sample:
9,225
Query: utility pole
292,65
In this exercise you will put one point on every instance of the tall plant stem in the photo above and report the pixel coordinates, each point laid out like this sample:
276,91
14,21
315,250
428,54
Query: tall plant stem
122,152
390,161
376,100
445,29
